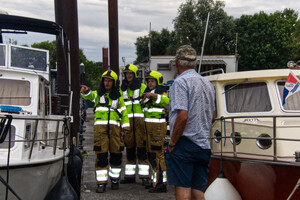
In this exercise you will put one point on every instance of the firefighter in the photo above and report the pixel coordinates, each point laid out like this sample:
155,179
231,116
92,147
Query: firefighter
155,101
111,123
135,140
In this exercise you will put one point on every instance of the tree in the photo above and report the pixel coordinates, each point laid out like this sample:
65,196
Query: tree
266,41
190,25
161,44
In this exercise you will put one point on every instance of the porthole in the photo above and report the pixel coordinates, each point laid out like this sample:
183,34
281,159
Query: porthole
217,136
238,138
264,141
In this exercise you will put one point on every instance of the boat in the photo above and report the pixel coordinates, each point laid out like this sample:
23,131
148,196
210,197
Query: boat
33,141
255,140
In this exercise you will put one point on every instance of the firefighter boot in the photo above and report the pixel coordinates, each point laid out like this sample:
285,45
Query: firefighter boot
101,188
159,188
128,180
114,184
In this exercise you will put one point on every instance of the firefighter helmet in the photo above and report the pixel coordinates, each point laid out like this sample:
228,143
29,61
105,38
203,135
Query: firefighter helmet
157,76
131,68
110,74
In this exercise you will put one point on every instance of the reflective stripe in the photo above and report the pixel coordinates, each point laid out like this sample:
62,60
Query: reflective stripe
136,115
136,93
103,109
121,109
114,104
155,110
164,174
154,177
87,93
144,170
101,175
130,169
155,120
94,100
125,94
113,122
102,99
158,99
125,125
130,102
114,172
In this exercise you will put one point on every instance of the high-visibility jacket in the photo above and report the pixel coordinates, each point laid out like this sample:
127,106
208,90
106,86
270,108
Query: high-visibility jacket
104,105
132,101
154,110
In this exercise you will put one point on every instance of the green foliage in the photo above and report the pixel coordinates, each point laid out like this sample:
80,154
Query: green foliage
93,72
191,22
162,43
267,41
189,28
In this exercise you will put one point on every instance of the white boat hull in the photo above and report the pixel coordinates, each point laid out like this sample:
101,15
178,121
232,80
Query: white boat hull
32,182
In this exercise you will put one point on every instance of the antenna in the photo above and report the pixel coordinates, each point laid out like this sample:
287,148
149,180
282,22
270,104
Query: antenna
149,42
202,50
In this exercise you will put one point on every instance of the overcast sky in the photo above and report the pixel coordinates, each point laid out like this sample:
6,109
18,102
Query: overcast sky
134,19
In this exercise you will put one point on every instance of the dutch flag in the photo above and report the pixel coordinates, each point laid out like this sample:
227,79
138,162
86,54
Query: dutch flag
291,86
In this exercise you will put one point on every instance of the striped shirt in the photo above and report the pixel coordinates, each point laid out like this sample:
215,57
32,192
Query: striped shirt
195,94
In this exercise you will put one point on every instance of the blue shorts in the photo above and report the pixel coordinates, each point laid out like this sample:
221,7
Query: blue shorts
187,165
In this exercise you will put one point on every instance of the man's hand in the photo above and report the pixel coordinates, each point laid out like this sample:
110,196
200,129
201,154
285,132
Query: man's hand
148,95
84,89
171,146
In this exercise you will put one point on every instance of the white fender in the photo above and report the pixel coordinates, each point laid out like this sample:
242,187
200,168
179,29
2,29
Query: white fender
221,188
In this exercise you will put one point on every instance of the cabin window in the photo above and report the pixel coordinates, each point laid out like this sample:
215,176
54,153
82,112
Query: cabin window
291,103
12,133
15,92
163,67
247,97
28,58
2,55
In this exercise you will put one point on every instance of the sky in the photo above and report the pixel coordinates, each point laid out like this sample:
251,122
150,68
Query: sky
134,20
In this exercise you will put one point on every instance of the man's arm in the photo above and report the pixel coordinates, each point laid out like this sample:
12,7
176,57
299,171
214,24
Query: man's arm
214,116
179,126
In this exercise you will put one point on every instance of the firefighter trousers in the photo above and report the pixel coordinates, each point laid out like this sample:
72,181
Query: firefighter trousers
135,142
156,133
108,149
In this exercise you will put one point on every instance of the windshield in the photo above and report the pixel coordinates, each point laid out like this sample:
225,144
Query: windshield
291,103
14,92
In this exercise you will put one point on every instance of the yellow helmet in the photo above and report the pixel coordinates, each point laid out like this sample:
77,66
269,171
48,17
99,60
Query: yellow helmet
131,68
110,74
157,76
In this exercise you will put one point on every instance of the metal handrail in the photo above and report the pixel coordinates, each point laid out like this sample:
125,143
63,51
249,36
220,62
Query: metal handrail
274,138
212,70
34,132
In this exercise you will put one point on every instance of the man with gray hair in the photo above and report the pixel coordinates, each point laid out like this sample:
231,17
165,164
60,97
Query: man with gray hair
191,114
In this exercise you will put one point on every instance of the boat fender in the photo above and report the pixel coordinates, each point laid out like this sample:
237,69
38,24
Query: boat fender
76,152
221,188
62,191
74,168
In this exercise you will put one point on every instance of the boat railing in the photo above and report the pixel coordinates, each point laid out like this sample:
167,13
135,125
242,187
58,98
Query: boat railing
65,137
274,138
211,72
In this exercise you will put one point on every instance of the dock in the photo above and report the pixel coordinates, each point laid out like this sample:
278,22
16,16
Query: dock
126,191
